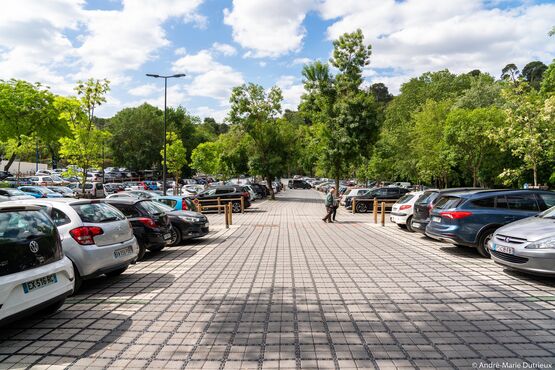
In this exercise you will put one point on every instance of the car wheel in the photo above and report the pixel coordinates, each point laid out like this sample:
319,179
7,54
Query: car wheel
53,308
176,237
409,224
361,208
142,251
483,242
236,207
116,272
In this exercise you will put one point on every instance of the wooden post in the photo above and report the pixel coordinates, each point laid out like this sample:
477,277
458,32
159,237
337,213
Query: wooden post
383,213
219,204
226,215
230,213
375,210
354,205
199,207
242,205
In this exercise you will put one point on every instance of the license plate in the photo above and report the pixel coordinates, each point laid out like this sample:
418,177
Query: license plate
416,224
41,282
118,253
167,236
503,249
436,219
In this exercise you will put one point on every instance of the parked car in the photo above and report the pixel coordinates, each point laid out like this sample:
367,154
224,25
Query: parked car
185,224
470,218
139,194
93,190
260,190
400,184
151,226
40,192
402,211
298,184
191,189
178,202
5,174
64,190
14,194
34,273
350,193
210,196
95,236
43,180
424,205
385,193
527,245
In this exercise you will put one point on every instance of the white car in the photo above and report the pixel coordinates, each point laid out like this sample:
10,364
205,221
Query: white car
252,194
96,237
350,193
403,210
191,190
34,273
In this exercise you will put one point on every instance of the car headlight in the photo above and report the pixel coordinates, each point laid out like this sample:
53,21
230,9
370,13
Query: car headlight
548,243
190,219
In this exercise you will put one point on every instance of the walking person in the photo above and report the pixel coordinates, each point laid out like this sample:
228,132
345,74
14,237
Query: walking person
328,202
335,205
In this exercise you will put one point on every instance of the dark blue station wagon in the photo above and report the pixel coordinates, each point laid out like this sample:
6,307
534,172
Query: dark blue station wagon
470,218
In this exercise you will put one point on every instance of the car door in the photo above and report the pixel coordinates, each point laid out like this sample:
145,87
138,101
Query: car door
521,205
392,194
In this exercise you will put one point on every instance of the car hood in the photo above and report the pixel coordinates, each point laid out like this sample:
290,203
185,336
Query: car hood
21,197
531,228
186,214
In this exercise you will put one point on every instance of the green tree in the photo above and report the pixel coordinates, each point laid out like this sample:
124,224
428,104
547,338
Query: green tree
83,147
548,83
510,73
176,156
533,73
206,158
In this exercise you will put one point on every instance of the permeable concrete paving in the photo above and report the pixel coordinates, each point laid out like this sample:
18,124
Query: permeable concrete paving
282,289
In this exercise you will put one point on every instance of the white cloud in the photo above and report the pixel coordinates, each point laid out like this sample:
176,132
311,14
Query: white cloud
292,90
210,78
145,90
301,61
415,36
268,28
224,49
204,111
180,51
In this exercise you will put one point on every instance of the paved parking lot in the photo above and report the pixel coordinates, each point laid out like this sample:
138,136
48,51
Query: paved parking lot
281,289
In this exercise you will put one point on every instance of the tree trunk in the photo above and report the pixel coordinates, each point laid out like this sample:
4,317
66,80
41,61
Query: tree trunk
269,182
337,184
535,175
474,177
10,162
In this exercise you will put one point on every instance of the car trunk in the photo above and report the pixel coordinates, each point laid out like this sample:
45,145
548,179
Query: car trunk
28,239
115,227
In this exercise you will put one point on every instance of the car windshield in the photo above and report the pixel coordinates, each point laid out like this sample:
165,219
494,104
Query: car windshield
43,190
97,212
13,192
549,213
209,192
405,198
150,207
163,207
447,202
427,197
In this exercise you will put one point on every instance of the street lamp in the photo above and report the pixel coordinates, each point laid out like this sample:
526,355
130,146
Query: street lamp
165,100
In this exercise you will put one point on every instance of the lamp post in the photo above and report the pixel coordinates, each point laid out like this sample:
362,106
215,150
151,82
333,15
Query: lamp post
165,101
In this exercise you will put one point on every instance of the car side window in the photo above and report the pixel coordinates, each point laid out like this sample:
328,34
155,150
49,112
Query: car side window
98,186
59,217
128,211
501,202
548,200
523,202
222,191
488,202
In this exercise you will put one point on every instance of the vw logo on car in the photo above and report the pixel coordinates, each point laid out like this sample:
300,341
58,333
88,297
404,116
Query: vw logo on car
34,246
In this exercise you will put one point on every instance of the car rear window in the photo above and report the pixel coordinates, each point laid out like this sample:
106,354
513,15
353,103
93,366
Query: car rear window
447,202
427,197
97,212
488,202
405,198
150,207
523,202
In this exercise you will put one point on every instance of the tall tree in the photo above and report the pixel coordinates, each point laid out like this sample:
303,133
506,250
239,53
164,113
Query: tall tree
175,156
510,72
533,73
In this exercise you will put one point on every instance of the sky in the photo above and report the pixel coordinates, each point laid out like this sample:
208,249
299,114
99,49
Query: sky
220,44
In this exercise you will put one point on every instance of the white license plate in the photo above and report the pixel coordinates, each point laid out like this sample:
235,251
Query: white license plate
118,253
167,236
41,282
416,224
503,249
436,219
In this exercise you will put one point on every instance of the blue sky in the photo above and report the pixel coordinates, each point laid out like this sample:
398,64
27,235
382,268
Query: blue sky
222,43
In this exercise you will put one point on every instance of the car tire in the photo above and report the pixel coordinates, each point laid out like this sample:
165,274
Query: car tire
176,236
53,307
142,251
78,280
116,272
156,248
235,207
409,224
401,226
485,236
361,208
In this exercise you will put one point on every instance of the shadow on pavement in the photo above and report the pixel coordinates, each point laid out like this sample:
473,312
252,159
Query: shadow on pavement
534,279
462,251
148,282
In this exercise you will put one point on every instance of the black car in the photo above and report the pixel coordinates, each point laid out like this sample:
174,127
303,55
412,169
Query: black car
151,226
298,184
260,190
211,195
185,224
424,204
5,174
386,194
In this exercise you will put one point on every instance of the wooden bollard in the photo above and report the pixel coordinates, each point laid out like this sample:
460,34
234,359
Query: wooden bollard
242,205
230,213
219,204
375,210
354,205
226,215
383,213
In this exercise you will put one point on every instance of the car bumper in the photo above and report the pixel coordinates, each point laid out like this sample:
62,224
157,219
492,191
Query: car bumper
534,261
419,225
195,230
92,260
399,218
14,302
156,239
448,238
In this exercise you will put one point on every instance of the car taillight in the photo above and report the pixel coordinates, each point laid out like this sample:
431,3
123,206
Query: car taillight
430,206
455,215
85,235
404,206
246,194
148,222
183,205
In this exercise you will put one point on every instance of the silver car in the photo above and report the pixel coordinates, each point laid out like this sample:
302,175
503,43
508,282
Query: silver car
527,245
96,237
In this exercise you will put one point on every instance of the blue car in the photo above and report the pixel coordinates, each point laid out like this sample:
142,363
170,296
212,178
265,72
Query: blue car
178,203
40,192
152,185
469,218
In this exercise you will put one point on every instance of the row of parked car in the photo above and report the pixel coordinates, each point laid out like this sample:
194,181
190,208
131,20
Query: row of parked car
49,246
516,228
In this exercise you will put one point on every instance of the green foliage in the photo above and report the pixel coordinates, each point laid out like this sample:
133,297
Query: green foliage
533,73
175,154
206,158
